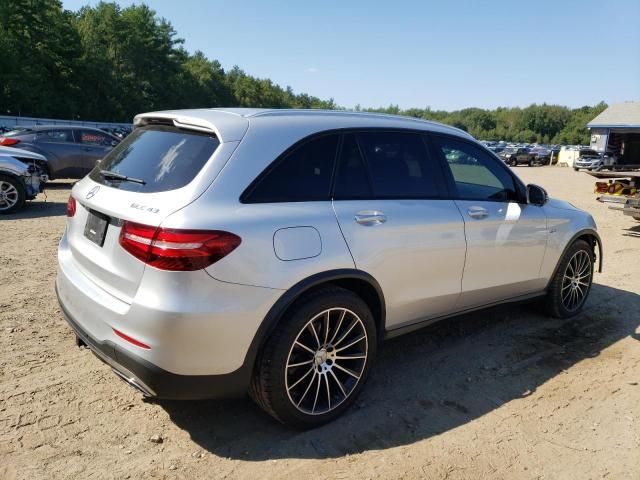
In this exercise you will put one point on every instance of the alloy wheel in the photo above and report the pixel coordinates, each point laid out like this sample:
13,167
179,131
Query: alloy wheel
576,280
326,361
8,195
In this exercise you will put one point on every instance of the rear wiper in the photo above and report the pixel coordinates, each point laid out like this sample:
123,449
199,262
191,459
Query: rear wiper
118,176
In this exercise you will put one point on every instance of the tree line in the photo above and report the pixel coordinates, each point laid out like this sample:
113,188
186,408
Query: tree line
108,63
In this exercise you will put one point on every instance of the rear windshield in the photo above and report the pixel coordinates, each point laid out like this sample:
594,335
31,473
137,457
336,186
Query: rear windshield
16,131
164,158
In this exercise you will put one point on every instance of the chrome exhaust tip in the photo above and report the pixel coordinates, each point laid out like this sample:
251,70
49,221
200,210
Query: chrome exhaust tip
135,383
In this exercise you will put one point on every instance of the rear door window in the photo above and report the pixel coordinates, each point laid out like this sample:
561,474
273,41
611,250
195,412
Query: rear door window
164,157
301,175
398,165
352,180
55,136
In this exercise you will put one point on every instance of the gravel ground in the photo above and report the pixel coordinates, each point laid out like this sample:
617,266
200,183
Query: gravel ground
504,393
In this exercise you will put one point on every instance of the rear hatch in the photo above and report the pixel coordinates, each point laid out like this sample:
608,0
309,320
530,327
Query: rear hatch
158,169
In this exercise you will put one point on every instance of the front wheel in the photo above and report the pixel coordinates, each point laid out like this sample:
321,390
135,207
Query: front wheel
570,286
513,162
12,194
315,363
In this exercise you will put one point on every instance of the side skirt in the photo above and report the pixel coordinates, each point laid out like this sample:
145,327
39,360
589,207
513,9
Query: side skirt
396,332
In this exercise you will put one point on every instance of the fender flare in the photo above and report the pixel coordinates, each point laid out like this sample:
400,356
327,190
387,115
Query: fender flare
578,234
275,313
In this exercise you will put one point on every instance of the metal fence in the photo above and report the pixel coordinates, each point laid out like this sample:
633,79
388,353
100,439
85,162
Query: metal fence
6,121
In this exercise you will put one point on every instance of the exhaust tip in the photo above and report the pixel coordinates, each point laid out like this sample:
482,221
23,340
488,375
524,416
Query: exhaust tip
135,383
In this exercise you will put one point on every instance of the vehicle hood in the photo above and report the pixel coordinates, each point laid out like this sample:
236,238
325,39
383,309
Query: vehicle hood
11,165
560,204
19,152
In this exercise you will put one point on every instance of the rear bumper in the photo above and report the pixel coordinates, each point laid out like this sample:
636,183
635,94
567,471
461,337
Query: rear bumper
152,380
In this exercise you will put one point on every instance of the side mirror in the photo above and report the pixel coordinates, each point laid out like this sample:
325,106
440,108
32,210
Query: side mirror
536,195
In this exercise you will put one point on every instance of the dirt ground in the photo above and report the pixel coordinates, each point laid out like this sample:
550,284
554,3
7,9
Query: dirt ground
505,393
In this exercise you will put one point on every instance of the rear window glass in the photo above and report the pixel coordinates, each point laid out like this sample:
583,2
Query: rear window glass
165,158
17,131
303,175
55,136
398,165
352,181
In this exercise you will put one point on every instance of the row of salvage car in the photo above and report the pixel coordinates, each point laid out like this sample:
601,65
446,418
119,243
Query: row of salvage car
29,157
22,178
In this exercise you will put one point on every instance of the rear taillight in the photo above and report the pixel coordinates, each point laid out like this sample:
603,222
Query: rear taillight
71,206
7,142
172,249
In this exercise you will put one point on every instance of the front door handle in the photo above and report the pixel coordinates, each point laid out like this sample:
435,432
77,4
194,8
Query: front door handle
478,212
370,217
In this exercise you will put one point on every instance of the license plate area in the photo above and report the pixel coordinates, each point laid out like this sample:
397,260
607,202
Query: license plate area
96,227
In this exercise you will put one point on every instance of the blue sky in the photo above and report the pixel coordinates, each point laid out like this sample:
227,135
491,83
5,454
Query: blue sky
443,54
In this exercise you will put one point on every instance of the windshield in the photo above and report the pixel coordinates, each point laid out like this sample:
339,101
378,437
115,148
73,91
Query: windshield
165,158
588,153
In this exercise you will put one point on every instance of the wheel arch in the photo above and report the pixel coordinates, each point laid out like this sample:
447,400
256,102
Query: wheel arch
592,238
7,173
357,281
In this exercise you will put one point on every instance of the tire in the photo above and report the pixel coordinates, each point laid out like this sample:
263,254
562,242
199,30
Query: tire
575,169
12,194
576,264
283,385
530,163
513,162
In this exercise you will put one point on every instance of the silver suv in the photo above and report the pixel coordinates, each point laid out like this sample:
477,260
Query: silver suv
215,252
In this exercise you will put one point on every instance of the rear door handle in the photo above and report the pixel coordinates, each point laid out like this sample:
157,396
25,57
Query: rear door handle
478,212
370,217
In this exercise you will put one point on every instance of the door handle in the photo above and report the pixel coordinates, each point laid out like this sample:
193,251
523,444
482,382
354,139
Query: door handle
478,212
370,217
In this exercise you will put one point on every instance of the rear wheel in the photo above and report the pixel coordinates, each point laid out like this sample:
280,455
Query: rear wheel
12,195
570,286
315,363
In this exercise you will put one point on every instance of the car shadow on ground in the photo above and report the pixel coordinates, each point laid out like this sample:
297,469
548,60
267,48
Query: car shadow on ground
38,209
427,382
632,231
41,206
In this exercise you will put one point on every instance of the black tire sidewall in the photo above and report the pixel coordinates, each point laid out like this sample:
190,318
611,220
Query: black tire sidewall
21,194
278,352
555,305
